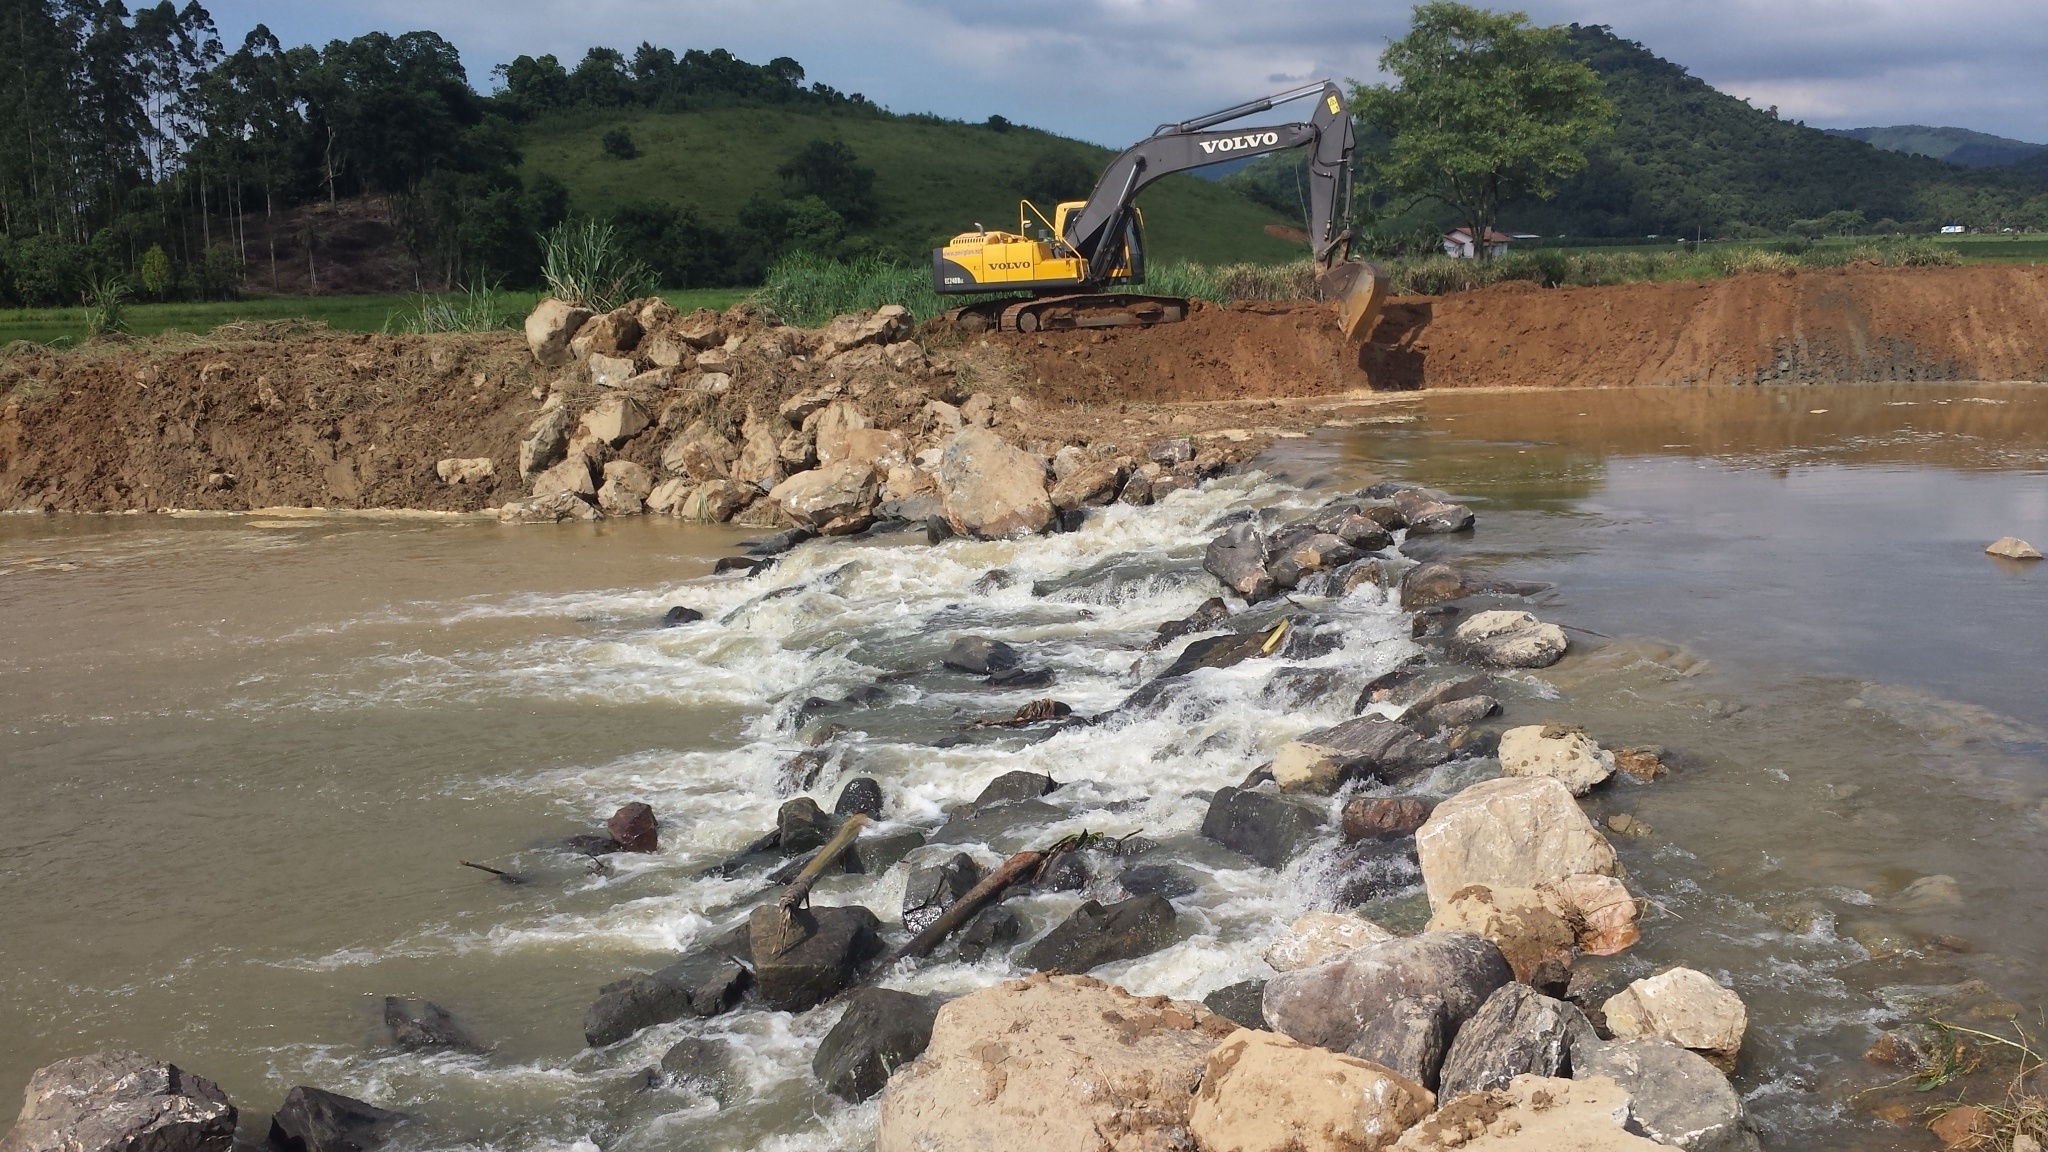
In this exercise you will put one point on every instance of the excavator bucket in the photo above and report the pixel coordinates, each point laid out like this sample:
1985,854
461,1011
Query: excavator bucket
1356,290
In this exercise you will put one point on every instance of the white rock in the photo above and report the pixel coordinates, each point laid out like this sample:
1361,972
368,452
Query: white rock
465,470
610,371
1514,832
992,489
616,419
1317,936
1532,1114
1510,639
1685,1007
572,476
626,488
1563,754
2013,548
547,509
820,496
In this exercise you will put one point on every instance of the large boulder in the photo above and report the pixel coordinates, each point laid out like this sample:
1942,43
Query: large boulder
625,489
615,419
882,1030
570,477
1685,1007
1328,1004
1321,760
1238,558
1052,1064
1531,1114
1089,486
805,955
1509,639
1263,1092
991,489
1511,832
1408,1035
878,448
546,439
609,334
1266,827
120,1102
1537,938
1316,936
704,982
1098,934
1559,751
834,494
315,1120
700,453
1680,1100
550,327
1518,1031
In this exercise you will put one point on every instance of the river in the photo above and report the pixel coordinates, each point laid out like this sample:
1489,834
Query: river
243,757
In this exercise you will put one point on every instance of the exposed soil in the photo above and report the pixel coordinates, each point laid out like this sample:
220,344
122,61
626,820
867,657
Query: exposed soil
290,414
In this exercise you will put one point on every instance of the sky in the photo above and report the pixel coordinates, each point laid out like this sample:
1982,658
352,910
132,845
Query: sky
1109,70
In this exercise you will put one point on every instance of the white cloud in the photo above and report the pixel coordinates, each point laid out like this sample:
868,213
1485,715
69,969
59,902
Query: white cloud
1108,70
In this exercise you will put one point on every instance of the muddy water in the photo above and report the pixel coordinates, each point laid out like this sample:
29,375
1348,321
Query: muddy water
240,760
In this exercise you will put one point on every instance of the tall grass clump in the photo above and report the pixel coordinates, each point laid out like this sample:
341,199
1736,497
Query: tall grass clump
585,263
477,307
106,307
810,290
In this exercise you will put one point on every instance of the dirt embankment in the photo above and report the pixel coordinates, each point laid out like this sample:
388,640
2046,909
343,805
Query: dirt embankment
1839,325
282,414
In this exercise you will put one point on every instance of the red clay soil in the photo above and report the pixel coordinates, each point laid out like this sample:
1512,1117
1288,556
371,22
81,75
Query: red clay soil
1852,324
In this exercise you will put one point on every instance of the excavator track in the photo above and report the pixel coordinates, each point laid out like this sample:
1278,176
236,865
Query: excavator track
1079,310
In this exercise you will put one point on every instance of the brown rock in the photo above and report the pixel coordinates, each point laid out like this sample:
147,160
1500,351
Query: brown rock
634,828
1090,486
550,327
700,454
1532,1114
613,334
838,491
1966,1126
1263,1092
1382,817
1645,763
1537,942
626,488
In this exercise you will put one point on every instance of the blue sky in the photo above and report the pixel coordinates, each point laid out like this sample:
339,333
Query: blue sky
1108,70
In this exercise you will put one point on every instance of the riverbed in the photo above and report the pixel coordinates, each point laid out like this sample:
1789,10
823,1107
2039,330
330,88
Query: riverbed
245,756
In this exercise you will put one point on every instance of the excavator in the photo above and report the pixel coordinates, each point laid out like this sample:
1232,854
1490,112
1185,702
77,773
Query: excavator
1066,267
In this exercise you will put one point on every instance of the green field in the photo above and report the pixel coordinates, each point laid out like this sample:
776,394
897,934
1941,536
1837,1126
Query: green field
2029,248
347,313
932,179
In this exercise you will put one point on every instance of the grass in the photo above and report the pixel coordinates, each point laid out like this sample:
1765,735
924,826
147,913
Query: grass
2015,248
932,180
346,313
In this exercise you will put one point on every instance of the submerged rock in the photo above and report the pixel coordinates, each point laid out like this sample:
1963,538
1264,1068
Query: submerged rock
882,1030
421,1025
980,656
120,1102
931,889
863,795
1011,787
1098,934
1268,828
2013,548
1263,1092
634,827
314,1120
1078,1059
1168,880
700,1065
994,927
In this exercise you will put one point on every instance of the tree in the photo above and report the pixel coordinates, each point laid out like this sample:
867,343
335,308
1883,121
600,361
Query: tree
828,170
1058,174
1486,110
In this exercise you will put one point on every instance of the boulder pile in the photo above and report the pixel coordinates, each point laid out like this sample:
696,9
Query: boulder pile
735,416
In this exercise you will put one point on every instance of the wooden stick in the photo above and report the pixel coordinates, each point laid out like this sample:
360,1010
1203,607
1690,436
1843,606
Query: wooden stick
500,873
1029,863
798,893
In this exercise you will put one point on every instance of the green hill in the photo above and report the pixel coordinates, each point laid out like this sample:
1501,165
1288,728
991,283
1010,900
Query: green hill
1955,145
933,178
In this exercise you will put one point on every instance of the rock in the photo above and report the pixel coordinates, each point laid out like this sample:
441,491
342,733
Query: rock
1563,753
571,476
1239,1002
1051,1064
1293,558
1171,451
1967,1126
1645,763
550,327
931,889
802,826
878,449
993,927
1514,832
862,794
1098,934
759,463
547,509
1349,523
460,470
1685,1007
1538,942
1238,558
1321,760
1428,513
1328,1004
546,439
1137,490
1679,1100
706,981
834,492
678,616
712,502
1011,787
1928,894
314,1120
2013,548
1427,584
979,656
1600,907
616,419
1212,614
700,454
876,854
885,325
992,490
1407,1035
1456,714
804,958
1168,880
1509,640
1268,828
1093,486
1316,936
610,371
626,488
612,333
700,329
1382,817
1263,1092
1518,1031
1531,1114
700,1065
121,1102
882,1030
633,826
422,1025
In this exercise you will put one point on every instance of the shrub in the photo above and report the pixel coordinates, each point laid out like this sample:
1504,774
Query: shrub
157,276
104,307
618,144
219,275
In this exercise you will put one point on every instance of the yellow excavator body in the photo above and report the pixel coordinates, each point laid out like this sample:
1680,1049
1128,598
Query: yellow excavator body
1031,258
